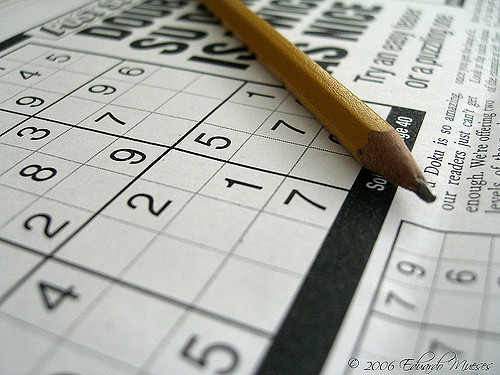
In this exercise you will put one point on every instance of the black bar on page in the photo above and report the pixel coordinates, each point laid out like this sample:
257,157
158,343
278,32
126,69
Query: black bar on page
306,336
13,41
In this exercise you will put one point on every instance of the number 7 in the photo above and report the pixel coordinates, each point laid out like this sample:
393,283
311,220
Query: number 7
295,191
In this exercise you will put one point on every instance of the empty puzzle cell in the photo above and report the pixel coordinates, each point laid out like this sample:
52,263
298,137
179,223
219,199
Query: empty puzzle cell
213,86
92,64
174,268
63,82
71,110
260,152
183,170
105,245
212,223
327,168
238,117
251,294
171,78
28,53
127,325
189,106
89,188
282,243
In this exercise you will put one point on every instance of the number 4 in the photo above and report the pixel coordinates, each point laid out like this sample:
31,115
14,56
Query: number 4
53,295
26,75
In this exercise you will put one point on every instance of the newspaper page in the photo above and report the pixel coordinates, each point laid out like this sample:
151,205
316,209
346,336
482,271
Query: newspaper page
169,208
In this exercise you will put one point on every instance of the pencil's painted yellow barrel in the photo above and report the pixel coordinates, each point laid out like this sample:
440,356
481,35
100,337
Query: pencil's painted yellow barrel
338,110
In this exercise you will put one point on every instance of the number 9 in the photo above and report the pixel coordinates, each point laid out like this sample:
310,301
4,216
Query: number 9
409,268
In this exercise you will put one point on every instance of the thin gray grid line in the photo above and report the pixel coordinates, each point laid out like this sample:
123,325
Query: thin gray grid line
40,196
183,317
278,139
421,324
443,327
124,136
193,153
119,62
156,63
75,323
56,69
453,292
32,86
133,175
35,330
486,299
179,141
316,135
473,261
6,295
147,364
371,310
118,281
430,297
35,151
133,84
229,256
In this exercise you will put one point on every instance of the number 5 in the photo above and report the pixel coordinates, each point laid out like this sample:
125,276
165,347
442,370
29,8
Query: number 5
202,358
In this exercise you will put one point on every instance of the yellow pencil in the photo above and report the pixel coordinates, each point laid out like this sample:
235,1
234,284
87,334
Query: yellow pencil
368,137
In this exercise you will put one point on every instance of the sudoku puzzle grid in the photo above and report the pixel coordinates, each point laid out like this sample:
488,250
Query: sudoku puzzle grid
443,289
152,217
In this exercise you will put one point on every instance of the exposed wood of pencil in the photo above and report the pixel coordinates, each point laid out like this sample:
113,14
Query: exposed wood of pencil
368,137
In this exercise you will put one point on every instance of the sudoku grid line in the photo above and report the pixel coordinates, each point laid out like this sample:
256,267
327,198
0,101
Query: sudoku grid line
51,254
474,336
174,164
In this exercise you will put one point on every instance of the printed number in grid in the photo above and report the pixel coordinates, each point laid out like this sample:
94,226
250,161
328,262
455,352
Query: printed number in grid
440,294
244,205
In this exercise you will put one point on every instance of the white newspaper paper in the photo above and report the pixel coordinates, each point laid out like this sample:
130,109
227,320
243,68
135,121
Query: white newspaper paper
167,207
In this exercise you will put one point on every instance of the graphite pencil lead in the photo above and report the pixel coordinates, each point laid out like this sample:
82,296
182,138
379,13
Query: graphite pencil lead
424,192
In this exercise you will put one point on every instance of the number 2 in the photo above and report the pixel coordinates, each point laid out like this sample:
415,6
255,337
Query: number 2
150,200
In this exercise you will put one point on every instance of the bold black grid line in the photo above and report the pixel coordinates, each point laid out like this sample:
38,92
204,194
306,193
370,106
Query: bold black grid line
53,253
228,256
9,292
422,325
214,158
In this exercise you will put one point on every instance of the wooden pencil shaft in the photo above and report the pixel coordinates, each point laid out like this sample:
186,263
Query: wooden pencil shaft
338,110
368,137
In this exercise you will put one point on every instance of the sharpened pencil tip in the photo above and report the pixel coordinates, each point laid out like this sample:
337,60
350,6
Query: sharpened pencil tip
424,192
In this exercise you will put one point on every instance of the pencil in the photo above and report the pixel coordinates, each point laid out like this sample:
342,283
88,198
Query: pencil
369,138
